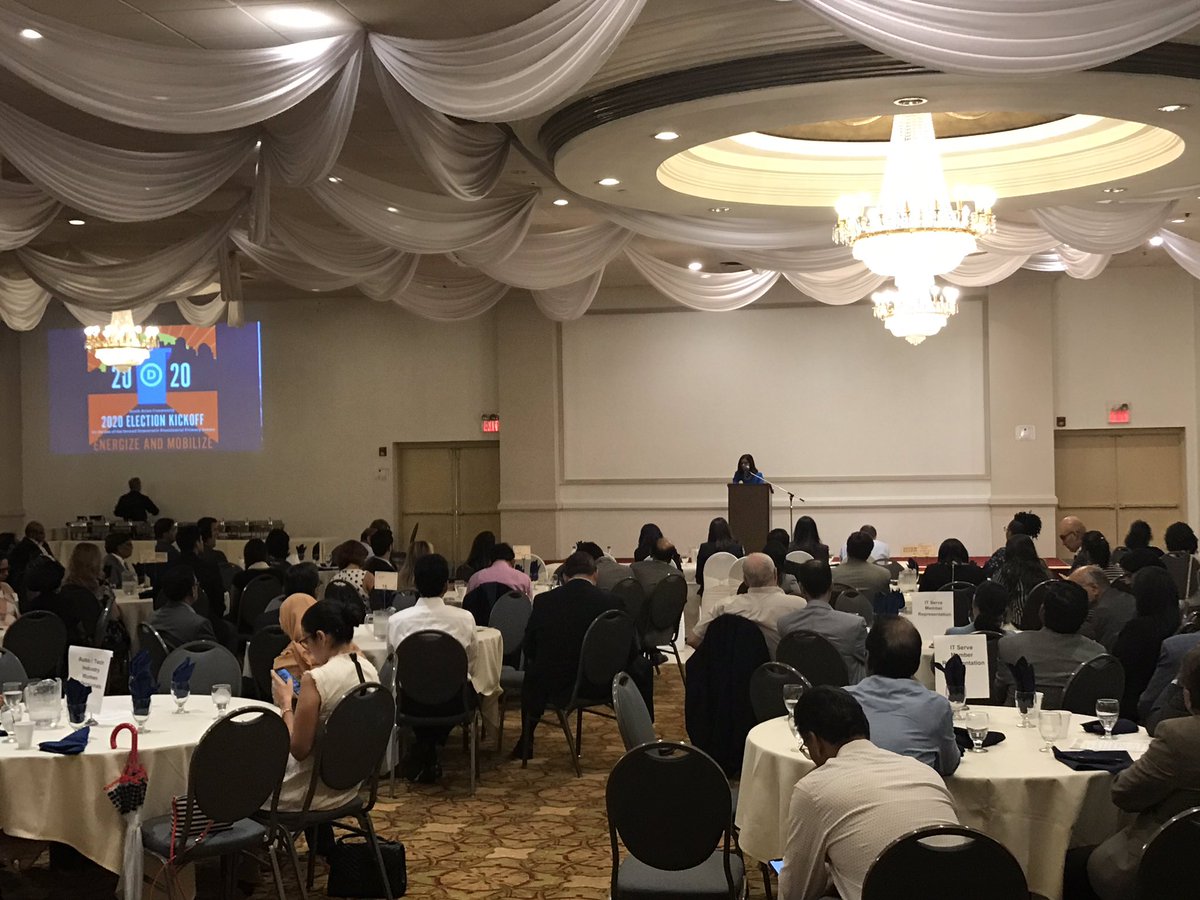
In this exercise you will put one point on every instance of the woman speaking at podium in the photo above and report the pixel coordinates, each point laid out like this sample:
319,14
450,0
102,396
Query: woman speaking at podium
747,472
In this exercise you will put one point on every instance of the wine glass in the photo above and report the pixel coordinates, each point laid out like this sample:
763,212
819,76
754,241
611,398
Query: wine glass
180,690
141,712
791,694
12,698
1108,711
8,723
977,729
221,695
1024,705
958,701
1051,726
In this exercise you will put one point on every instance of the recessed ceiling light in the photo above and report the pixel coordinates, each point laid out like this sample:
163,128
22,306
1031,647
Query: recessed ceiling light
393,209
695,265
31,34
666,136
76,222
1178,221
1155,241
608,182
1173,107
718,209
561,201
910,101
333,179
1114,190
299,17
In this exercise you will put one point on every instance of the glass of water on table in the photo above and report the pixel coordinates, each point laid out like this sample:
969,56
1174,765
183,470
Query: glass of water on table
1108,711
977,730
791,694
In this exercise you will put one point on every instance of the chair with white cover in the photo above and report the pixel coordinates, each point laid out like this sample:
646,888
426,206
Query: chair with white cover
716,575
736,572
798,556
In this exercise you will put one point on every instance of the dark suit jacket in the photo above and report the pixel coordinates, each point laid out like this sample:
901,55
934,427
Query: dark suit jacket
1170,658
178,624
25,552
209,578
79,609
1137,648
554,635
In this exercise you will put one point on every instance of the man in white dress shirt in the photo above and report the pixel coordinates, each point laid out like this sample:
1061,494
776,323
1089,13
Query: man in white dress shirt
431,575
764,603
879,549
856,801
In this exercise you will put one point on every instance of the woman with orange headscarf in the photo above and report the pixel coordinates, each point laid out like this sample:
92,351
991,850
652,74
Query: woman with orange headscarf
294,657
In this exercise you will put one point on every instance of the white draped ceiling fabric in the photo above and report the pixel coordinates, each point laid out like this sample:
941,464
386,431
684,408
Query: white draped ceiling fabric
278,118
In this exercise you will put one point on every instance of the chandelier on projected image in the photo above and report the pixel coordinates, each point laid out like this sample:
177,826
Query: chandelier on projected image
915,230
120,344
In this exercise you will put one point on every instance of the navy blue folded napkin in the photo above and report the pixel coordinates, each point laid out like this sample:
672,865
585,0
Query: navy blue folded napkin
141,682
1123,726
183,672
955,671
70,745
77,697
964,740
1023,678
1094,760
888,604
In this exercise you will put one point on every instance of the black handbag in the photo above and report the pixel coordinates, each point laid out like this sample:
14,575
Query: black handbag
354,871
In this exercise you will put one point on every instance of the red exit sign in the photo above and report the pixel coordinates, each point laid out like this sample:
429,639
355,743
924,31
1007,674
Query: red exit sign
1119,415
491,426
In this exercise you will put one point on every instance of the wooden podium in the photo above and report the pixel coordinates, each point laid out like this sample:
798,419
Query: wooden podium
750,515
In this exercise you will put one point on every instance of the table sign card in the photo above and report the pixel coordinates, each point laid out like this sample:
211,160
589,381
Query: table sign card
387,581
522,551
932,613
972,650
89,666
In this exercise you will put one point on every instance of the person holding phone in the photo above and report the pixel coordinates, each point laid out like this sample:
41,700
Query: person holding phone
294,657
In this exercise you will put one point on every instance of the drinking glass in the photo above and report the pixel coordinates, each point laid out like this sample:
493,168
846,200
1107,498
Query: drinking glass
8,724
1108,711
379,625
1051,726
141,712
12,698
1024,705
958,702
221,695
977,729
791,694
180,690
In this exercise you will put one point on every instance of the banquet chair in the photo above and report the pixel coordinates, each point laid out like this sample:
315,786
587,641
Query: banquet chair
101,630
856,602
607,646
633,599
348,754
676,789
480,601
923,862
509,616
218,792
798,556
716,575
1185,572
1167,865
256,595
633,718
152,642
1099,677
814,657
664,610
1031,612
836,590
404,600
214,665
264,647
432,678
736,572
39,640
11,668
894,568
766,689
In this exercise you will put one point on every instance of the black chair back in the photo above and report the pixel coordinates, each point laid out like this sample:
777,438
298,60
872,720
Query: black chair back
1166,869
152,642
264,647
667,788
354,738
923,862
766,689
102,623
39,640
480,601
836,591
11,668
853,601
633,718
213,665
256,595
814,657
893,568
431,668
404,600
1031,613
964,597
632,595
509,616
664,610
607,646
1098,678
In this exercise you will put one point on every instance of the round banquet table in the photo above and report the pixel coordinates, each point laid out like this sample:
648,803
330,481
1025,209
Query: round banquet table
50,797
1027,800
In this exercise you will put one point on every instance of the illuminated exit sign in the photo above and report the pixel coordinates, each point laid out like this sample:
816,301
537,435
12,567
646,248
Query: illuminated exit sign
1119,415
490,424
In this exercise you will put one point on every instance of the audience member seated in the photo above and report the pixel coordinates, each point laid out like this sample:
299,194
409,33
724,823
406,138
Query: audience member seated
279,549
764,603
480,556
1026,523
209,532
1139,551
1055,650
857,572
1170,661
302,578
1023,570
720,540
207,574
81,597
382,540
165,534
554,639
806,537
1139,643
1095,551
649,572
1071,531
953,564
1164,781
406,579
846,631
608,571
503,570
254,555
176,621
43,577
989,605
10,606
646,538
858,800
430,613
1109,609
325,632
348,558
295,657
879,550
779,536
1181,541
778,551
905,716
118,571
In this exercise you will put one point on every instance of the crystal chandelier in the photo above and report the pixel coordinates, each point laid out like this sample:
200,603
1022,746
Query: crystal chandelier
915,313
121,345
915,231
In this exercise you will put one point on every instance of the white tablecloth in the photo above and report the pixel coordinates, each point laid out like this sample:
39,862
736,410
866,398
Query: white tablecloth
1025,799
134,611
49,797
143,551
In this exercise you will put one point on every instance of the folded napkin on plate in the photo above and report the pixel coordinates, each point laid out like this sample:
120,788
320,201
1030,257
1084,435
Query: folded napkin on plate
77,692
1022,673
141,682
955,671
1094,760
70,745
1123,726
964,740
183,672
888,604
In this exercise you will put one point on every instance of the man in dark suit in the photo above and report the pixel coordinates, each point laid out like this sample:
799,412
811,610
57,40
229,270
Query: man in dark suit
208,576
554,638
653,570
29,548
846,631
175,621
135,506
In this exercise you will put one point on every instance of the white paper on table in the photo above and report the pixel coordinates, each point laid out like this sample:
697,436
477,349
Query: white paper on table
522,551
933,613
387,581
1134,745
89,666
972,649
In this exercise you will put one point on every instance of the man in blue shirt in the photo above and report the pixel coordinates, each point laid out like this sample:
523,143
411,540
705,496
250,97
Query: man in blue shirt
905,716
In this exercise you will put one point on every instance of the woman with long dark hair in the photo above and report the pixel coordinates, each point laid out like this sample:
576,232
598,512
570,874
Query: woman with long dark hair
479,558
1023,570
649,535
747,472
805,537
720,540
1139,552
953,564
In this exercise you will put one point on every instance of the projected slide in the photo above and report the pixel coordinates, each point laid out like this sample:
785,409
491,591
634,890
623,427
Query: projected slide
200,390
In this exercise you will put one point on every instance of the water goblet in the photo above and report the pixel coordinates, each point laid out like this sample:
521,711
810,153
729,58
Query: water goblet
1050,724
12,698
1024,705
791,694
221,695
8,724
1108,711
958,702
977,729
180,690
141,712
